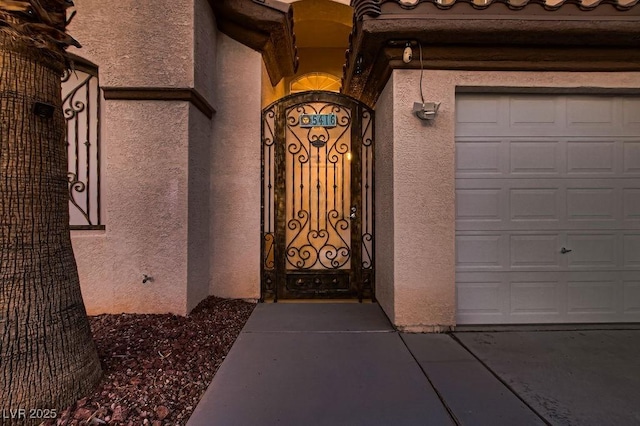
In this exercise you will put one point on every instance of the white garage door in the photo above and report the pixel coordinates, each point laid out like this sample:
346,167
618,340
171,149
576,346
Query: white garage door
547,209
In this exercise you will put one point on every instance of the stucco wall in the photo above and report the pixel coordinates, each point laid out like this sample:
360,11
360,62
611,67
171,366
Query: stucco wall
200,143
199,226
384,235
205,44
137,42
155,162
424,227
145,211
235,173
424,183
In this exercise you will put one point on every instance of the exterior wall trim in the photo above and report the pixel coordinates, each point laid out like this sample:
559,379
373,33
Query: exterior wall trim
495,38
369,84
160,94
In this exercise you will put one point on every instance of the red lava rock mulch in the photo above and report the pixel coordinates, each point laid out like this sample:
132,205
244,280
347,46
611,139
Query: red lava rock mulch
157,367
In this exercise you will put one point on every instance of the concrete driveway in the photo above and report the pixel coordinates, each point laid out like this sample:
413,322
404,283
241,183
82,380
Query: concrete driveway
343,364
583,377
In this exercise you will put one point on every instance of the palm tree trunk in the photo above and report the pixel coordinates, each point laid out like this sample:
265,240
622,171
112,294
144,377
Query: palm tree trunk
47,356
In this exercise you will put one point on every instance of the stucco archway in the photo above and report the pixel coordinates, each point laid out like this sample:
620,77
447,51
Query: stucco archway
322,29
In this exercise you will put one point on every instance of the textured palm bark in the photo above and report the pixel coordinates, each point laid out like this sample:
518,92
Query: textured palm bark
47,356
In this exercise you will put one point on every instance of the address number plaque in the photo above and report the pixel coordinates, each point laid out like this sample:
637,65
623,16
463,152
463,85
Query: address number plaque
318,120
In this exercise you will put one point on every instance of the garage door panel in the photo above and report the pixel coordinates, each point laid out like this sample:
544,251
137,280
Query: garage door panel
479,204
631,113
483,298
549,172
593,296
585,113
631,303
536,251
631,202
593,204
631,157
480,112
480,251
543,204
536,298
631,247
543,112
527,115
535,204
535,158
592,250
591,158
479,158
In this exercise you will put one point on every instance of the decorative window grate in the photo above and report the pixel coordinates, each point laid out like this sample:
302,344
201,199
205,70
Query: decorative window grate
315,81
81,106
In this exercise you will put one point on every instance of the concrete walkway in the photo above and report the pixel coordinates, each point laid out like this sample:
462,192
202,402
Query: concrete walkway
343,364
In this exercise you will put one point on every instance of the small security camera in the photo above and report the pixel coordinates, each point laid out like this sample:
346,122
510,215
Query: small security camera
407,55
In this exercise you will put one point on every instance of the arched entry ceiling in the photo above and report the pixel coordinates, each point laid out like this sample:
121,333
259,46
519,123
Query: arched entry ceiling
322,30
322,23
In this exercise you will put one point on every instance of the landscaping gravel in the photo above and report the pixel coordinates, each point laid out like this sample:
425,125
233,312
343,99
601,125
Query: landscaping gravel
157,367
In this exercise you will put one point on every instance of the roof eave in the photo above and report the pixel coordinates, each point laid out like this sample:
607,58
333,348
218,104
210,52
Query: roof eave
496,37
265,26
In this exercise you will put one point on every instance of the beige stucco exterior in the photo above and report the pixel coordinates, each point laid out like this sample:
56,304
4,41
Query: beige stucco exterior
181,191
145,159
138,43
235,178
172,178
146,212
385,206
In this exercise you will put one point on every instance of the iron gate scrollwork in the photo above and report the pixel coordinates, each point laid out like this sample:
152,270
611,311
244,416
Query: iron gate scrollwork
317,198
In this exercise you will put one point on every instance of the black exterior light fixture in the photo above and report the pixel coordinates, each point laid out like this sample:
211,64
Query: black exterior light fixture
43,109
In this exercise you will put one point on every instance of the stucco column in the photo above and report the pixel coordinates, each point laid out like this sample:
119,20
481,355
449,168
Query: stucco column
154,184
236,173
385,203
423,208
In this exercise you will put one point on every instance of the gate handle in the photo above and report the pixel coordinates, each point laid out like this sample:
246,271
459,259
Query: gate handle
354,209
564,250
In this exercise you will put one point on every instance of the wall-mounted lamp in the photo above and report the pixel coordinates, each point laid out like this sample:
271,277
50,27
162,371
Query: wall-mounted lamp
426,110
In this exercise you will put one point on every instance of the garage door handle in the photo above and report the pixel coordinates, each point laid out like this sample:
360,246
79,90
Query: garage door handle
564,250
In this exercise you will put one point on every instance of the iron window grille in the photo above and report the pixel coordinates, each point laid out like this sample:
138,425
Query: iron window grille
81,97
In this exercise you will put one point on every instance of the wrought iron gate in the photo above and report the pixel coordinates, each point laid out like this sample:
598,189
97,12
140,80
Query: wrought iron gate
317,197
